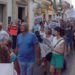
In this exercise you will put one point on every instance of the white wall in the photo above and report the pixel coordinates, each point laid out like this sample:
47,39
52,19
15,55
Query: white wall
9,8
31,14
73,3
69,1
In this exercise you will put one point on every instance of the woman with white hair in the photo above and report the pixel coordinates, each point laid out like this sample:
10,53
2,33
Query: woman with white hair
3,33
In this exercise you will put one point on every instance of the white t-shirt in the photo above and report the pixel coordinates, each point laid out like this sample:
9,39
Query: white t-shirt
49,39
3,35
44,47
45,25
42,34
55,41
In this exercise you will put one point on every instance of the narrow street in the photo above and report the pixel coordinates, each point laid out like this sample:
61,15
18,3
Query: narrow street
36,36
70,65
69,71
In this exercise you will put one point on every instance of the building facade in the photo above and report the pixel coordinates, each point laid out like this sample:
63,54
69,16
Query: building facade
11,10
19,9
3,11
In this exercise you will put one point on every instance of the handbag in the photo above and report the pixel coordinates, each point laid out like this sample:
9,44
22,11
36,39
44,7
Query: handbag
49,55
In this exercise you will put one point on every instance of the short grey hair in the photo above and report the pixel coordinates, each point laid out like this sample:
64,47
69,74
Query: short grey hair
25,25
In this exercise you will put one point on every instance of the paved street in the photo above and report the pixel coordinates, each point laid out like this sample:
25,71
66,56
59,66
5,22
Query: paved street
24,23
69,71
70,65
72,69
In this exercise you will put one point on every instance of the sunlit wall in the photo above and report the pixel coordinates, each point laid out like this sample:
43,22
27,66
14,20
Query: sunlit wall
73,3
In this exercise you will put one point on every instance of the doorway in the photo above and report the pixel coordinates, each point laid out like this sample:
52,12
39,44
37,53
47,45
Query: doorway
20,12
1,12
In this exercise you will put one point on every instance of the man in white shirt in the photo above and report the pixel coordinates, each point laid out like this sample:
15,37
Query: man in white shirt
3,33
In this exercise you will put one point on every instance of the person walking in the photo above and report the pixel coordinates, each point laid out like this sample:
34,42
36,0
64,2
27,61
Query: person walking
28,49
57,47
69,39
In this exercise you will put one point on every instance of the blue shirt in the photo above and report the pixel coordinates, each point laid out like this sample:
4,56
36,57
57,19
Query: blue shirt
26,50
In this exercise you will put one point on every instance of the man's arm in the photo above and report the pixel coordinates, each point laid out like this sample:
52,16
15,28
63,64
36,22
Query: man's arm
16,49
38,53
37,49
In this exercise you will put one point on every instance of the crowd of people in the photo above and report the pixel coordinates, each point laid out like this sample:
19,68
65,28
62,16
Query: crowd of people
43,45
68,32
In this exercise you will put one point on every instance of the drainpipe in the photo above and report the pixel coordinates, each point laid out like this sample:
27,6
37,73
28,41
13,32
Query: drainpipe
9,8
